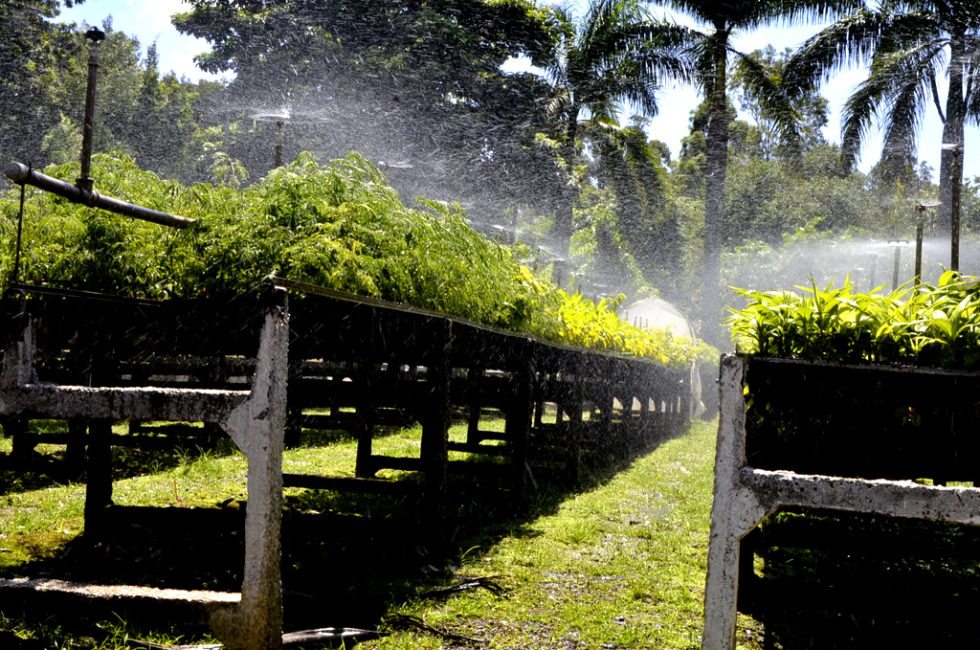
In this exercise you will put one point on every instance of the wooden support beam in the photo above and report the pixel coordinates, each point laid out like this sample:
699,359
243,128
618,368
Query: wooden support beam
518,425
436,413
98,484
348,484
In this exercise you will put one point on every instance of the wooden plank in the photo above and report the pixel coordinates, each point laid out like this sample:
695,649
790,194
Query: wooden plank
98,485
395,462
348,484
476,448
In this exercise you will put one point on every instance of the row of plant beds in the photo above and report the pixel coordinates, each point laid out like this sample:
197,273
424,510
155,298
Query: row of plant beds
846,385
353,361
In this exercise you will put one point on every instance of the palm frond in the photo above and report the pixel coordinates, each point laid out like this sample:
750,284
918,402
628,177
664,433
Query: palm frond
857,117
973,83
768,91
749,14
904,120
909,76
797,11
854,40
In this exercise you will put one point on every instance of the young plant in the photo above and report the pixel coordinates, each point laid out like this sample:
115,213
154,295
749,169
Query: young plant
922,324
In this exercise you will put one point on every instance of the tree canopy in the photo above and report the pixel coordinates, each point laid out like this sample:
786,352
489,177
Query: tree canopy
416,86
426,93
909,45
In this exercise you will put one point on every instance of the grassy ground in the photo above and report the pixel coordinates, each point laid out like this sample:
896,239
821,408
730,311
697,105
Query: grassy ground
619,563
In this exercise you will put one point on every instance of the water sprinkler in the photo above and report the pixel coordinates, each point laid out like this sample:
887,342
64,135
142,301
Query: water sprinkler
23,175
95,36
898,245
278,157
82,191
280,120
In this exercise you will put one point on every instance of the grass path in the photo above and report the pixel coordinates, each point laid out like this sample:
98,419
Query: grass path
620,564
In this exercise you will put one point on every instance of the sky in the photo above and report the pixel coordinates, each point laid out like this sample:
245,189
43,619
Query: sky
149,21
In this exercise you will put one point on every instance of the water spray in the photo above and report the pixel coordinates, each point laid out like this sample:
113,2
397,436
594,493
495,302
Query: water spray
280,120
920,220
82,191
897,245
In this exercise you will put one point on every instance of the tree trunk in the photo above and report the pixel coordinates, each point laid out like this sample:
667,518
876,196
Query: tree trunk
716,163
563,216
951,158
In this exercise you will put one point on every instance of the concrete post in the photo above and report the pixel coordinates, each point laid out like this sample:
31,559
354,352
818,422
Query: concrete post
257,427
744,496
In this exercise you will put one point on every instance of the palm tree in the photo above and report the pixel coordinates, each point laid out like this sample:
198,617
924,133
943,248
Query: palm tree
908,45
615,55
711,51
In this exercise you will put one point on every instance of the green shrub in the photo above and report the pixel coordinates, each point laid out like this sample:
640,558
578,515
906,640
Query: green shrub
340,226
923,325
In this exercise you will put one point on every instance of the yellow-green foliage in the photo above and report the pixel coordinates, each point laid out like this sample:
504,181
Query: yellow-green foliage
339,226
597,326
926,325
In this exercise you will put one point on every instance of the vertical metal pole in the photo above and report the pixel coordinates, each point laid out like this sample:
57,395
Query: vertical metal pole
278,160
898,257
918,251
95,36
20,229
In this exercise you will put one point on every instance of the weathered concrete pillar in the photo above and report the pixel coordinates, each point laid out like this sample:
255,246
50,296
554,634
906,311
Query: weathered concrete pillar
721,588
18,358
744,496
257,427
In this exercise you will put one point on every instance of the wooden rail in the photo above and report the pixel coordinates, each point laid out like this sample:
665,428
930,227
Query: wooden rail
356,364
335,361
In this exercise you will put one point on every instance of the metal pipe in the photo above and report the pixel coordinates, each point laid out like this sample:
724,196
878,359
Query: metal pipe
898,259
22,174
95,36
918,252
20,232
278,157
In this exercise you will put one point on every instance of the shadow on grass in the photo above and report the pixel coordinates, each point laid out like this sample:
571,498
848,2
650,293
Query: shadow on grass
37,471
347,558
132,455
840,580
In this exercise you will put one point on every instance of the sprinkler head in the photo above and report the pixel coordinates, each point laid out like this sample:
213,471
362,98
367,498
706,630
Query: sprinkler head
95,35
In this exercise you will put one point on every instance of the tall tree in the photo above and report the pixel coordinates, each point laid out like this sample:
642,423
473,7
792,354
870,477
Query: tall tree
627,162
810,108
29,45
909,45
415,86
136,112
711,48
616,54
